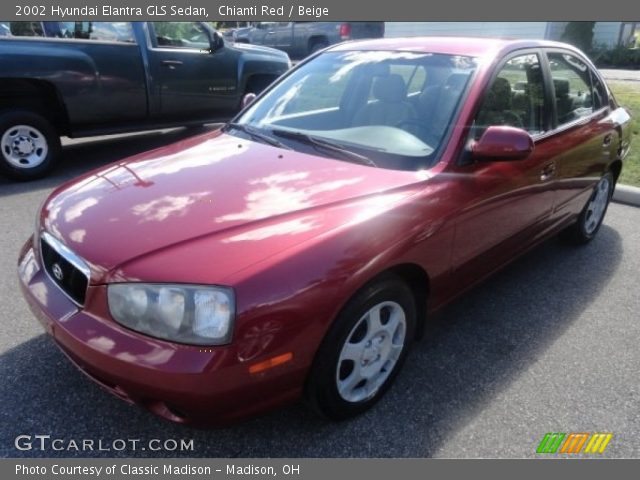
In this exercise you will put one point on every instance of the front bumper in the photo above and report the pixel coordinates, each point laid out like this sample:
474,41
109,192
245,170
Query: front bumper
182,383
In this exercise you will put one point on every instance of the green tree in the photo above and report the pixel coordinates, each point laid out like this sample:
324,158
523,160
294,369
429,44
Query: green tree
579,34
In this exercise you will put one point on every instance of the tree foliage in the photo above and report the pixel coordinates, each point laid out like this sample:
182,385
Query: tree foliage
579,34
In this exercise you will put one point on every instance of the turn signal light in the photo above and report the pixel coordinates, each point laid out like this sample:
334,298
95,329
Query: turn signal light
270,363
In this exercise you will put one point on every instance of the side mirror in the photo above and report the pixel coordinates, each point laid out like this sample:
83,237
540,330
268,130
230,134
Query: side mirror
248,99
503,143
216,42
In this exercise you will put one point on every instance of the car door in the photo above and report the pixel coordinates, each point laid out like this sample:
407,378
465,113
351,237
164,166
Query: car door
583,127
192,81
505,205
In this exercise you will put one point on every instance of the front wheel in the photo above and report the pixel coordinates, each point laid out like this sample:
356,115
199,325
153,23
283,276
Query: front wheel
592,215
364,349
29,145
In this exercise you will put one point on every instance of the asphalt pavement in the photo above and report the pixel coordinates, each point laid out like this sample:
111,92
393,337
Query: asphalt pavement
549,344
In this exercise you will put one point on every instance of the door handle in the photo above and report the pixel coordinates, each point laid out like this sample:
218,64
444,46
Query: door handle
172,64
607,140
547,171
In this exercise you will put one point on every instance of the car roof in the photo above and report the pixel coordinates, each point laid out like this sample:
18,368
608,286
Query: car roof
470,46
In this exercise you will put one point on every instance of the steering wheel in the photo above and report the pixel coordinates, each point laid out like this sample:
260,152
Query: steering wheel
512,119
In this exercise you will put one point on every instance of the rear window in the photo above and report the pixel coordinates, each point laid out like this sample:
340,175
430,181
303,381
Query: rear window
96,31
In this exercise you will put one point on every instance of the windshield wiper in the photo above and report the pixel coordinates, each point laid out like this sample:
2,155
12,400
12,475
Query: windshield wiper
257,135
327,145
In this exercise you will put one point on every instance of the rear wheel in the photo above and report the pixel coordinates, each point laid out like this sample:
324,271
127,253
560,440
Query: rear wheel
364,349
29,145
592,215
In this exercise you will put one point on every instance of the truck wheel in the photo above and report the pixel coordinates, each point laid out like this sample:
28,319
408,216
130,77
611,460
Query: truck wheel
29,145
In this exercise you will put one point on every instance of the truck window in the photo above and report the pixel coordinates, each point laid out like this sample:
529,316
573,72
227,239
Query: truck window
190,35
98,31
26,29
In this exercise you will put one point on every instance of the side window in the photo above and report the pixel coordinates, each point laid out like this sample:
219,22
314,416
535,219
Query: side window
515,98
572,85
600,97
190,35
98,31
26,29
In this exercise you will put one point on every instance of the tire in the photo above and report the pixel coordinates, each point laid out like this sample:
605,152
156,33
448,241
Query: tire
317,45
590,219
29,145
339,387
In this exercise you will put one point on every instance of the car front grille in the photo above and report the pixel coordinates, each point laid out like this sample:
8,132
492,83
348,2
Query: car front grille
68,271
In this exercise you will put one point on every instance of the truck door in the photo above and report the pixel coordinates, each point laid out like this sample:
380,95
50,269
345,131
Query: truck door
192,82
263,34
96,67
284,36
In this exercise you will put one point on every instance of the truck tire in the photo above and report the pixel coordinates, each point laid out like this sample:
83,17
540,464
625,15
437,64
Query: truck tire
29,145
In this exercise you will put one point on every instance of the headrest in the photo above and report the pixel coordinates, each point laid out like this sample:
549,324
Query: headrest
457,81
499,95
562,87
390,88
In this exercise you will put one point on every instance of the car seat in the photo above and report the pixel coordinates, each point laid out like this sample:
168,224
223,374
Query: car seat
564,103
391,107
437,103
497,108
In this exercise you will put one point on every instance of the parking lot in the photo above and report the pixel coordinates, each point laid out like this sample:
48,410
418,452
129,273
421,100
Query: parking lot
550,344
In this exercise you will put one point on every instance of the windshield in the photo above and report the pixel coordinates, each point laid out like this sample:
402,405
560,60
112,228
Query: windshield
391,108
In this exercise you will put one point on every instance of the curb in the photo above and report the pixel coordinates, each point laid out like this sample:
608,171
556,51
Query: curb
627,194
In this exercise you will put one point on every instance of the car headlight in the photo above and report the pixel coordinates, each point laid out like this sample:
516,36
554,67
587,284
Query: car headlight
194,314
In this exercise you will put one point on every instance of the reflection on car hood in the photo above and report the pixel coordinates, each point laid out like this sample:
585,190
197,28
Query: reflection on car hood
259,49
212,185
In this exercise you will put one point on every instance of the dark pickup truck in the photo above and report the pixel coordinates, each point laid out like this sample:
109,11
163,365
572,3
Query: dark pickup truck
92,78
300,39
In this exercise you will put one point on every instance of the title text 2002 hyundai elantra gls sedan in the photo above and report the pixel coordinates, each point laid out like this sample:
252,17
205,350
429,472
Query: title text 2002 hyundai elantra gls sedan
298,250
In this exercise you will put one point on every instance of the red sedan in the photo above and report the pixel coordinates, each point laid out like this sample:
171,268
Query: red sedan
299,249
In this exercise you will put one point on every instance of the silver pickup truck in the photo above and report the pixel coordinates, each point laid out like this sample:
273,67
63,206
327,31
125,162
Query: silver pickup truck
300,39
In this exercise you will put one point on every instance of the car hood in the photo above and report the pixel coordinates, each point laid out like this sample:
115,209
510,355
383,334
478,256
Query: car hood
260,50
230,194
